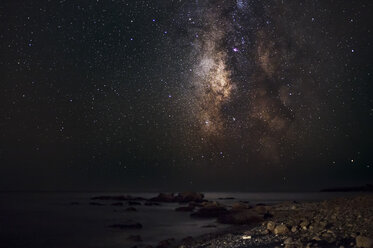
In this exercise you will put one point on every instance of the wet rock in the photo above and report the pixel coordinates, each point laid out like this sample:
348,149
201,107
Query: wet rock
364,242
281,229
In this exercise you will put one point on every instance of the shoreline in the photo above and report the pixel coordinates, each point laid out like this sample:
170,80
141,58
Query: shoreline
341,222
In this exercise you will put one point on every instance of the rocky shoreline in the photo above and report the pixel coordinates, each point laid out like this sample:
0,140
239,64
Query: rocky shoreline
343,222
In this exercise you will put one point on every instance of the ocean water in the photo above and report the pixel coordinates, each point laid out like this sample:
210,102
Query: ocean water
49,219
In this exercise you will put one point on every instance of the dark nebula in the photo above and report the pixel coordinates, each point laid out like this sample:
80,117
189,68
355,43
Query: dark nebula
166,95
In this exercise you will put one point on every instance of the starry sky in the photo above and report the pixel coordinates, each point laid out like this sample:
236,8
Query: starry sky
237,95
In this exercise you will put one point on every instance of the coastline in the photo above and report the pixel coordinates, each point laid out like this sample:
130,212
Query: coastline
341,222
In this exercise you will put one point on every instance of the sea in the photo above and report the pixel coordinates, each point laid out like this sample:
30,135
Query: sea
68,220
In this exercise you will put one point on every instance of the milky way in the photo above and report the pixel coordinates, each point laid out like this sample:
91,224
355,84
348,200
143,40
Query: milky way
176,92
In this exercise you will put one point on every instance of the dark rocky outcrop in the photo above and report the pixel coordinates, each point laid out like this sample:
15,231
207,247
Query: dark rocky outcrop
244,217
210,210
183,197
163,197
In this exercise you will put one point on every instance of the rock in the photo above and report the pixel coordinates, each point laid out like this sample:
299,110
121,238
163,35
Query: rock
226,198
134,203
189,197
188,239
261,209
240,218
162,197
268,215
210,212
239,206
185,209
294,229
135,238
281,229
127,226
117,204
304,224
364,242
271,226
316,238
288,241
131,209
165,243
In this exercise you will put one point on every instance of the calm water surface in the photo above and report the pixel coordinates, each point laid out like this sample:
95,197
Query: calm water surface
50,220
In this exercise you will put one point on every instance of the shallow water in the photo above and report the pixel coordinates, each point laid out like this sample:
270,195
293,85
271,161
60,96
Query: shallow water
50,220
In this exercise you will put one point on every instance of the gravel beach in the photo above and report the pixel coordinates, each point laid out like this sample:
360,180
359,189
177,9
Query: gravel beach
342,222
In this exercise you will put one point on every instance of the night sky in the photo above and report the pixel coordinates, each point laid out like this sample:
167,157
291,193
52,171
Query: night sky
170,95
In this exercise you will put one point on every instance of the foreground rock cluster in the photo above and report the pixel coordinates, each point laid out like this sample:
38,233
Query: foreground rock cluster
344,222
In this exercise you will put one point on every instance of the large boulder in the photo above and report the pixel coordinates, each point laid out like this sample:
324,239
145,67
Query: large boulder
210,210
281,229
244,217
